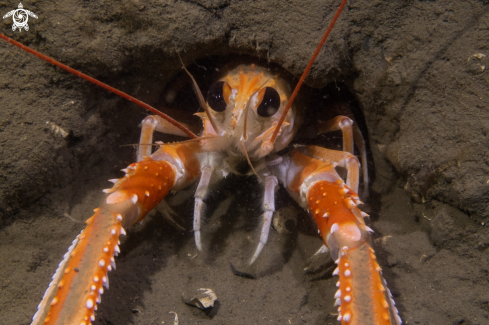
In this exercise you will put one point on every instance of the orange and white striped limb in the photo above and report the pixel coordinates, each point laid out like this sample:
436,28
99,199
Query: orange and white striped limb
339,123
351,135
363,297
72,296
153,123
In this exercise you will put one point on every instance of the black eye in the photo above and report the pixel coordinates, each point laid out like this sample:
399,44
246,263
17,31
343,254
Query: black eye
218,96
269,102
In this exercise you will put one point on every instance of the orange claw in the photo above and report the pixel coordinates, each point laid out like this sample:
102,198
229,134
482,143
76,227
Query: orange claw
363,297
77,285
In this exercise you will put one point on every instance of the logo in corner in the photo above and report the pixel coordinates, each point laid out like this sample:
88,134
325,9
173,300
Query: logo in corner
20,16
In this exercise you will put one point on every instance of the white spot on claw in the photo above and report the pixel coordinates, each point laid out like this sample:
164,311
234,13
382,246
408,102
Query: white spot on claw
347,298
347,273
89,304
334,227
113,232
134,199
101,263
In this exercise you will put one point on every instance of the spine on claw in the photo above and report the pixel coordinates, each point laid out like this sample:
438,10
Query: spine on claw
79,282
362,297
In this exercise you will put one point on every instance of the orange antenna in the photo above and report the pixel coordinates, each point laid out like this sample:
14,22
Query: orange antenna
101,84
306,71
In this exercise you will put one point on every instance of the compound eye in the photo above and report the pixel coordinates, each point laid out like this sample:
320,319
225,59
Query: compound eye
218,96
269,102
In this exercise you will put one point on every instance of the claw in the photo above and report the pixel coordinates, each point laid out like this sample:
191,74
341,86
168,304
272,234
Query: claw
83,271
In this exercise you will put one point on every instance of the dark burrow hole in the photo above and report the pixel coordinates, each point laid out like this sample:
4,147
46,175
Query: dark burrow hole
179,101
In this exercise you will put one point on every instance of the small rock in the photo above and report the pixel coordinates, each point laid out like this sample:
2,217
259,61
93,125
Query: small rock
205,298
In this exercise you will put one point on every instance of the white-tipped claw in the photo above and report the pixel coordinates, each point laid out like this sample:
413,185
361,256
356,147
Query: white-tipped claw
334,227
257,252
338,294
198,240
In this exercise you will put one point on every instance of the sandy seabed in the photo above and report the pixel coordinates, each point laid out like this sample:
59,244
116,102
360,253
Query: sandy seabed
417,71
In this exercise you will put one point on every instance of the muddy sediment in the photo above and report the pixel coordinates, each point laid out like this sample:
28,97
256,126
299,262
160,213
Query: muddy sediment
417,71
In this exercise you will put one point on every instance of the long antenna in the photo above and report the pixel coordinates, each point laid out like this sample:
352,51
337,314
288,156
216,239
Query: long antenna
101,84
306,71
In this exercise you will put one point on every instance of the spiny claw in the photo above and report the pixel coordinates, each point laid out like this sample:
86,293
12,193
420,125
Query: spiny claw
347,236
78,283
